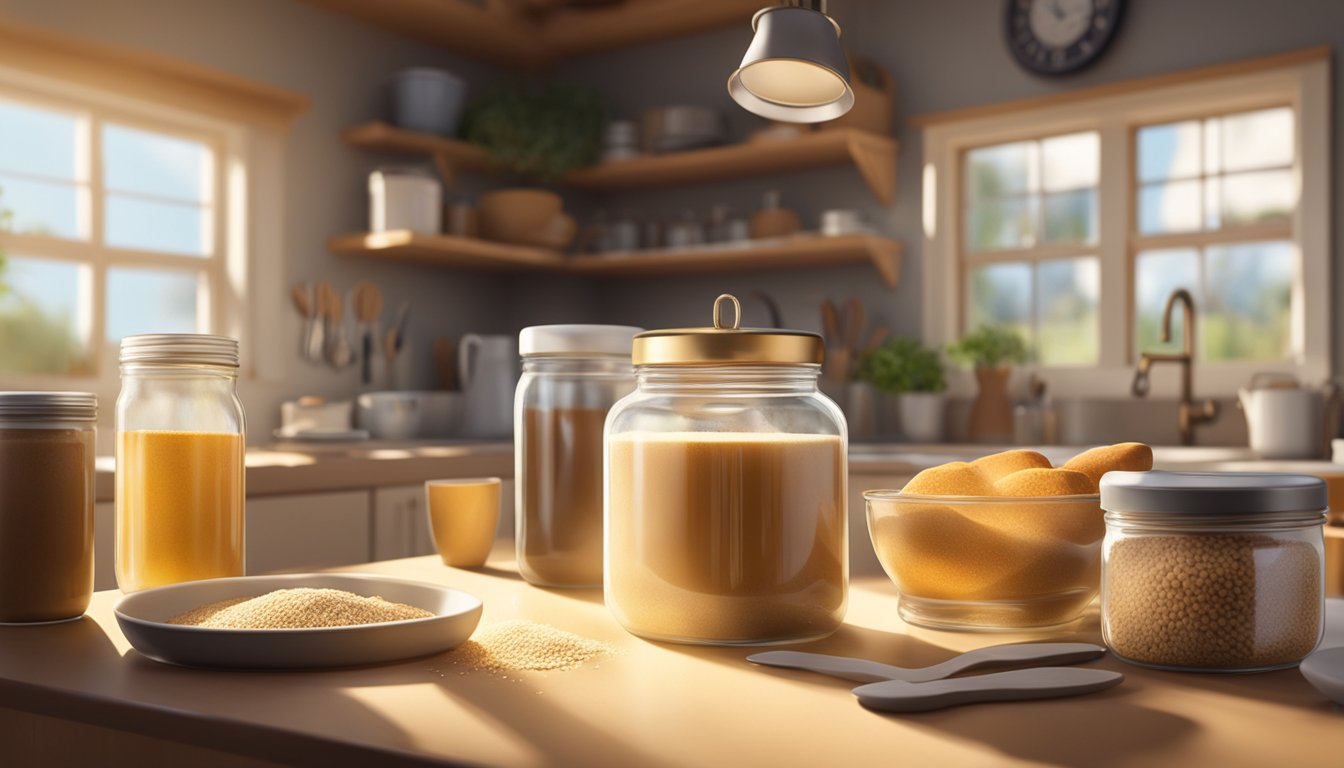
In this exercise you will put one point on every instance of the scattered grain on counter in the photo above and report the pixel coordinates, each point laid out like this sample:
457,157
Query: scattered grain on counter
298,609
516,646
1215,602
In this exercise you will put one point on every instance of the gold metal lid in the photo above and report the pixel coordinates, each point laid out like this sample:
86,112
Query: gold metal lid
728,344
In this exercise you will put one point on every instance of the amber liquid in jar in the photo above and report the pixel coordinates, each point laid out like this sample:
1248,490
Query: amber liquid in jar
179,507
727,537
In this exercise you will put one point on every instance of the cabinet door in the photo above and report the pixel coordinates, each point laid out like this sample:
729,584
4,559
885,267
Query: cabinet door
288,533
400,525
104,546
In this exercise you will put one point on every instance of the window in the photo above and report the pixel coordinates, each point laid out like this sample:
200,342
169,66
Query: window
1072,218
1030,215
1224,188
112,228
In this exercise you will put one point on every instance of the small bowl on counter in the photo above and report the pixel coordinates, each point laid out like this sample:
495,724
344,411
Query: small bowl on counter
988,562
409,415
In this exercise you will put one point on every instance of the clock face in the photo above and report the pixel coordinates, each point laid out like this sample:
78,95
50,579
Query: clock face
1052,37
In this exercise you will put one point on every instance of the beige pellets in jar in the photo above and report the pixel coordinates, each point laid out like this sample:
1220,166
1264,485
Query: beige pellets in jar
1213,571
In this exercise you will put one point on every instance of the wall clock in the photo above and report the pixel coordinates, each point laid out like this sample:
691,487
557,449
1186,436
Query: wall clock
1055,37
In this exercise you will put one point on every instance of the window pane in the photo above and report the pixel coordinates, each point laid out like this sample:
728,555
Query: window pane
1173,207
157,164
1070,162
1005,169
1001,295
1168,151
1071,217
1066,313
153,226
1249,293
41,207
38,141
1257,139
150,301
1157,275
43,325
1008,223
1266,197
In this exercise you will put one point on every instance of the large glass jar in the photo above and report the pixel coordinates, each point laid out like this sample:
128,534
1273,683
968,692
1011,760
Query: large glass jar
46,505
1213,572
572,374
179,477
725,504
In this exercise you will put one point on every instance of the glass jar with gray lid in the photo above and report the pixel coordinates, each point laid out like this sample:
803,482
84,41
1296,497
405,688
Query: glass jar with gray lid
1213,572
46,505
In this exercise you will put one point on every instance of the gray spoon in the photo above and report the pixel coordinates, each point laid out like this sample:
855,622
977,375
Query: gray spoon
864,671
1017,685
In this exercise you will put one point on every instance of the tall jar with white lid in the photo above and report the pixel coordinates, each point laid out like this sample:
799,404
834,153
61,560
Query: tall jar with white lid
572,374
1213,572
726,489
179,474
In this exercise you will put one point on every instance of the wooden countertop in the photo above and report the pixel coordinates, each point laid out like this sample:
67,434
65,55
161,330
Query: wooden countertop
318,468
651,704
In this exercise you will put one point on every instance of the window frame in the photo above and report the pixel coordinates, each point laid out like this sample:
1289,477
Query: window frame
1115,112
245,221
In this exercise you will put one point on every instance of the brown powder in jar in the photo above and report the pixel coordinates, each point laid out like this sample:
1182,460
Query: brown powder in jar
560,520
46,524
517,646
298,609
1215,601
727,537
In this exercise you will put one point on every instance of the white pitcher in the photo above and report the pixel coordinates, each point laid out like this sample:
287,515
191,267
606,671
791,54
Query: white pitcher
489,371
1284,419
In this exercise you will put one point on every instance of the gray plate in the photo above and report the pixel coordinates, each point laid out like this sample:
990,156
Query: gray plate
142,617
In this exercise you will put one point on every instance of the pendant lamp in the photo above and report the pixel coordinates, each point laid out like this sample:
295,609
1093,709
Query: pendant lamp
795,70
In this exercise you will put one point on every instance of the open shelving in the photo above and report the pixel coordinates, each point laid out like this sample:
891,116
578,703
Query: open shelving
471,253
873,155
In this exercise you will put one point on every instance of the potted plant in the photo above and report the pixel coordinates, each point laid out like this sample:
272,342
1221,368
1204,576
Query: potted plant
912,373
538,131
992,351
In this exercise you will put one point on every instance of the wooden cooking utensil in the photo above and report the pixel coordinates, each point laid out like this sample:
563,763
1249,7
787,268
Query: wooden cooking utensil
856,317
878,335
445,359
830,323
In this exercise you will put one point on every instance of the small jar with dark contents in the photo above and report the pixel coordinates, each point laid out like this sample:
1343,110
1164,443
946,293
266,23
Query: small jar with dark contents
46,505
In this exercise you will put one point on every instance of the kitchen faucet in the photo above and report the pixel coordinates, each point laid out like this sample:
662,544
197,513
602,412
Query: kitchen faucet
1190,414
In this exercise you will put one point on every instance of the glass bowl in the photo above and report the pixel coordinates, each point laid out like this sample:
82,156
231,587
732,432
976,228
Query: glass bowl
988,562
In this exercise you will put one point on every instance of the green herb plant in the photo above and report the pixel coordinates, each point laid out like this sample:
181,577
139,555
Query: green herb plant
903,365
539,131
989,347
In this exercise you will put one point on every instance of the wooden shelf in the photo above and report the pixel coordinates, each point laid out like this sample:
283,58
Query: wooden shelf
471,253
448,250
796,251
873,155
496,31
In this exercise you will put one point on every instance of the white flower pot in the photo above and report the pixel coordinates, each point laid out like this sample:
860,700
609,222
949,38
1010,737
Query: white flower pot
922,416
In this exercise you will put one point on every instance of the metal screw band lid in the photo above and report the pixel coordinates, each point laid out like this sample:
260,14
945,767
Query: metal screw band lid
180,349
65,406
727,344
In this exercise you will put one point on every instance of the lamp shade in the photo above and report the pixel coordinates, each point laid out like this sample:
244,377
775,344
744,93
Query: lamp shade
795,69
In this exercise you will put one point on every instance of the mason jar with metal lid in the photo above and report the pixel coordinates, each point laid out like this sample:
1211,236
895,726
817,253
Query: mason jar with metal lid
726,479
46,505
572,374
1213,572
179,477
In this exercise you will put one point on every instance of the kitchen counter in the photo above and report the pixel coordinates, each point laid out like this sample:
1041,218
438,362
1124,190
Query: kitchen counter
77,693
322,467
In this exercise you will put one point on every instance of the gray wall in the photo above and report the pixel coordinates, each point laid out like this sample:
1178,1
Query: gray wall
943,54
